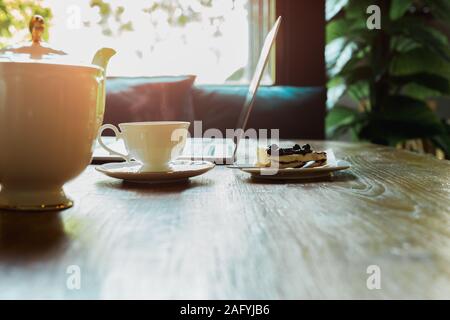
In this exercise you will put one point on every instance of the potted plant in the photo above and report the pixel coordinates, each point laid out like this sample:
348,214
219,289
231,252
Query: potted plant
388,76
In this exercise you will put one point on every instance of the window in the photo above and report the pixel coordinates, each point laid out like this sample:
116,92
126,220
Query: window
217,40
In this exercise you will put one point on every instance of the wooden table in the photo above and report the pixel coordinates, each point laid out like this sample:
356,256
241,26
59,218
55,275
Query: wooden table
225,236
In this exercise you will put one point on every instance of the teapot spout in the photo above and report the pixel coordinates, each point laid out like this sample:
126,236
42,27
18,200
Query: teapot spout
102,57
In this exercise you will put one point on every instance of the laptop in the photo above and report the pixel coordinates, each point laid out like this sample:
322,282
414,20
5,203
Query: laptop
217,150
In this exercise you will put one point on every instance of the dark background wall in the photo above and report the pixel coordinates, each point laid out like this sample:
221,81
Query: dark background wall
301,43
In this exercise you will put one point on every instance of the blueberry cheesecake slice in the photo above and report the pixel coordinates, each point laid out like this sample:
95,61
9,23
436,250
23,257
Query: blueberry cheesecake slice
295,157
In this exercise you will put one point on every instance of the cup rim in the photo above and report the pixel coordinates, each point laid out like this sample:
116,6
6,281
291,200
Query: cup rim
153,123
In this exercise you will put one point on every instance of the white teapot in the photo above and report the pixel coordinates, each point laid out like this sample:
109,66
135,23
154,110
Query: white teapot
51,108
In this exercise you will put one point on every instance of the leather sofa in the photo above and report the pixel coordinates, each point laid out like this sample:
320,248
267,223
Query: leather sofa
296,112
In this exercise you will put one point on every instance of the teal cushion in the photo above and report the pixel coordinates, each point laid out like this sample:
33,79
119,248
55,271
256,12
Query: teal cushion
296,112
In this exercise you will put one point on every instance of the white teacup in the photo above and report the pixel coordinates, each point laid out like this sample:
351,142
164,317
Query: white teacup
154,144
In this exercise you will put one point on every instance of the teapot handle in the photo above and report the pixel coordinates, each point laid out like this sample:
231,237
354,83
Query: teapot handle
118,136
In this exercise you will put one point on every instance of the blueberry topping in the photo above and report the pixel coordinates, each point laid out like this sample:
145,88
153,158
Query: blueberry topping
296,149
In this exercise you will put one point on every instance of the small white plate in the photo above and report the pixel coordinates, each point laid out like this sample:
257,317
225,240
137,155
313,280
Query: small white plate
130,171
332,165
296,173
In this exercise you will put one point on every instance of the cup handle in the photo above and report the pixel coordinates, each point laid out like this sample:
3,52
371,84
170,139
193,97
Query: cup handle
118,136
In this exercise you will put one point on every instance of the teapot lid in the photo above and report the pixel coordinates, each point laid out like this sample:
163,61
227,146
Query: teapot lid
38,51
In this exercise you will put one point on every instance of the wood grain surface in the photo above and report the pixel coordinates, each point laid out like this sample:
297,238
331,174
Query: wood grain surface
224,236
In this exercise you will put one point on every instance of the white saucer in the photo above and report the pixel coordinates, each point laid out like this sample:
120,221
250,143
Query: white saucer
180,170
296,174
324,171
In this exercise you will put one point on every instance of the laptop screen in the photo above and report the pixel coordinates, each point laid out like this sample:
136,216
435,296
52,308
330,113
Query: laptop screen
254,84
257,76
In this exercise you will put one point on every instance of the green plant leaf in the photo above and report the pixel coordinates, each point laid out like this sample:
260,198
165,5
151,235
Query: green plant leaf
398,8
428,80
423,34
350,29
335,29
334,94
440,9
417,61
353,78
402,118
360,73
334,82
403,44
333,7
416,91
359,90
340,119
341,61
399,107
338,53
358,9
388,132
